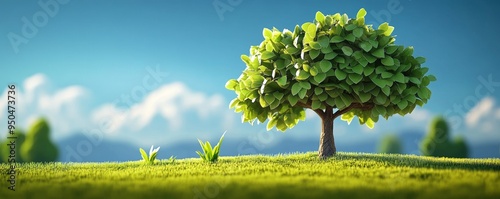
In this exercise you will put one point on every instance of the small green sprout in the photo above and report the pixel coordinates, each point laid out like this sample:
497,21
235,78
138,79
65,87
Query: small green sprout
152,155
210,154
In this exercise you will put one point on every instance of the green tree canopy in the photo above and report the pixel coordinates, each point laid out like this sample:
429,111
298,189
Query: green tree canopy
5,148
38,147
333,63
390,144
439,144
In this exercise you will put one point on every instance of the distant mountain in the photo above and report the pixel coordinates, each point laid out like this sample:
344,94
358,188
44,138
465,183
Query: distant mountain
79,149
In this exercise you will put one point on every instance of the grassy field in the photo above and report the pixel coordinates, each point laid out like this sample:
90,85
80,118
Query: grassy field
347,175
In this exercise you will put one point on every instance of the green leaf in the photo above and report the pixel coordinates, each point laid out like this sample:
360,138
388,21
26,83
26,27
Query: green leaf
351,27
325,65
358,32
374,43
282,81
399,77
340,60
315,105
350,38
311,31
420,60
330,56
364,97
302,75
208,150
339,103
315,45
323,97
291,50
379,82
336,39
231,84
245,59
266,55
344,19
305,85
368,70
386,75
432,78
358,69
153,157
296,88
384,41
320,77
402,104
389,30
292,99
355,78
318,91
326,50
370,123
381,99
366,46
361,13
384,26
201,155
144,155
386,90
415,80
379,53
346,99
347,50
314,53
347,117
302,93
341,75
278,95
323,41
272,122
391,49
314,71
320,17
268,34
388,61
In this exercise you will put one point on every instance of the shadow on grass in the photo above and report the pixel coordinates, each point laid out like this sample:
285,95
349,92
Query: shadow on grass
424,162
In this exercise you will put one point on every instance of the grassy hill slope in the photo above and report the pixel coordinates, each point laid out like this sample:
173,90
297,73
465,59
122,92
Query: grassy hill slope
347,175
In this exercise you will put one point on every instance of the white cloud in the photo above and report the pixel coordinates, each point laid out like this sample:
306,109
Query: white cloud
63,108
482,109
171,102
420,115
484,117
171,112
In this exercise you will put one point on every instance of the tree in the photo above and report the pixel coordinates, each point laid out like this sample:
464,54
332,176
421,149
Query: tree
1,153
438,143
333,63
461,149
37,147
390,144
5,148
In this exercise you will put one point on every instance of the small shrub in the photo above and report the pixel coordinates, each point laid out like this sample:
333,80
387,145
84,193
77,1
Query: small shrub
390,144
152,155
438,142
210,154
5,147
38,147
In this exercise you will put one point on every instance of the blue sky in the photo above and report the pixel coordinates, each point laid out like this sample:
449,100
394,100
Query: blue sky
86,55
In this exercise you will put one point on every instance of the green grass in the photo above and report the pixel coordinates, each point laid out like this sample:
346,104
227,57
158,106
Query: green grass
347,175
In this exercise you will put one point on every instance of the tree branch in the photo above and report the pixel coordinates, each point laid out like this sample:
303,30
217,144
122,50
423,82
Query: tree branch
320,112
352,106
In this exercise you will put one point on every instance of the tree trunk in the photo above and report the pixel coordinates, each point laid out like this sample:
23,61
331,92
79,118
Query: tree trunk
327,142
